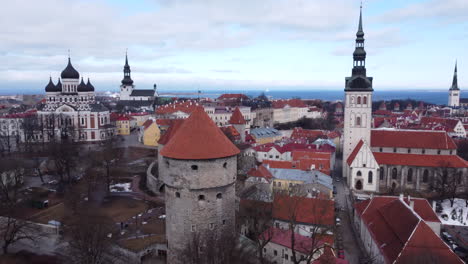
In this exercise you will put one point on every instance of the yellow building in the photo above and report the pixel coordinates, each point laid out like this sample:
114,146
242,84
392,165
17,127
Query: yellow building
151,133
123,125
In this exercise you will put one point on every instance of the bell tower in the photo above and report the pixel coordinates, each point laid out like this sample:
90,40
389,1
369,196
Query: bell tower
454,91
127,86
358,100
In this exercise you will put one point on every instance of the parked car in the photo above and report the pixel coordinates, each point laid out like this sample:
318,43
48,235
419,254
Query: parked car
446,236
338,221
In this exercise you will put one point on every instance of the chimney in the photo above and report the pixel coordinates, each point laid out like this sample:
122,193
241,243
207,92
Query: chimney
434,205
411,204
372,196
401,197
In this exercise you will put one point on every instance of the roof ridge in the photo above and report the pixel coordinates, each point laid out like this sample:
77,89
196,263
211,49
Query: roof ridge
407,241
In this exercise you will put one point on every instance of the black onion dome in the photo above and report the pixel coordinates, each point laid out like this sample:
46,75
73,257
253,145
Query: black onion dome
69,72
90,86
82,86
59,85
50,86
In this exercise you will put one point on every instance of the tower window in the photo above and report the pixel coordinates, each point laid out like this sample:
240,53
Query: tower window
194,167
225,165
359,100
177,194
358,121
192,228
219,196
364,100
369,177
224,221
201,197
211,226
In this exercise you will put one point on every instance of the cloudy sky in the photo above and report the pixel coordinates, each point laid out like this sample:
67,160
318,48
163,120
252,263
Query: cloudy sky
248,44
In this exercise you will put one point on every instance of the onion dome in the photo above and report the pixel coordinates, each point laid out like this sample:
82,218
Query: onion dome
59,85
90,86
198,138
50,86
69,72
82,86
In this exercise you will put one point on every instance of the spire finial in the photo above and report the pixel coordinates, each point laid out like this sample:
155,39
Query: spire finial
68,53
360,18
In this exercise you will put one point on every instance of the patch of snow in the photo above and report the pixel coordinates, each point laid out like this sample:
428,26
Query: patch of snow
456,215
162,216
144,223
121,187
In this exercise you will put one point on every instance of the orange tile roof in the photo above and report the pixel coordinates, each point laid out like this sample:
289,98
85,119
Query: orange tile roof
170,132
260,172
185,106
412,139
199,138
290,102
237,118
305,210
355,152
420,160
147,123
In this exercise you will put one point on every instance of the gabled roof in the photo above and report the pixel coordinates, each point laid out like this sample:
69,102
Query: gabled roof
260,172
140,92
420,160
147,123
237,118
199,138
446,124
283,238
412,139
174,126
311,211
355,152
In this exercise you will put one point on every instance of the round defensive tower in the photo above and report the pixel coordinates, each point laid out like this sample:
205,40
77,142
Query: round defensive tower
198,167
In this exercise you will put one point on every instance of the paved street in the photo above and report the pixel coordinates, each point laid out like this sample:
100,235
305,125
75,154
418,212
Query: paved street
350,241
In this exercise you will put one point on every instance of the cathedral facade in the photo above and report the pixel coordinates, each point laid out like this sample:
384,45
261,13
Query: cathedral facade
71,112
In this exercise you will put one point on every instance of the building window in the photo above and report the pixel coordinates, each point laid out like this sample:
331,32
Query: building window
225,165
369,177
410,175
219,196
201,197
394,150
193,228
423,151
381,173
358,121
224,222
394,173
459,178
274,184
359,100
359,174
211,226
381,149
177,194
194,167
409,151
286,255
275,252
364,100
438,152
451,152
426,176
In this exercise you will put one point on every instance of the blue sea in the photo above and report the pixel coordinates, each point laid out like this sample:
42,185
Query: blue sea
434,97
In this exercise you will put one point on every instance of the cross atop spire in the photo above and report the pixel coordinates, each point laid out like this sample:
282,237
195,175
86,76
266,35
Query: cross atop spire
455,79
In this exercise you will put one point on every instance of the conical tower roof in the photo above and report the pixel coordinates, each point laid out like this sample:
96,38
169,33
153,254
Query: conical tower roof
198,138
237,118
455,79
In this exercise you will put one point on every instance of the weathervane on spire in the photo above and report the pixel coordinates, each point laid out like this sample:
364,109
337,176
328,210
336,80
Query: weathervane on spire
68,53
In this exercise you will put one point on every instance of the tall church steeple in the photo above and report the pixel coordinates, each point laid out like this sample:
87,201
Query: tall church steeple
127,80
455,79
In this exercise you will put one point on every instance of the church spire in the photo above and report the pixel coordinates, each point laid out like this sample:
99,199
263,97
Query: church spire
455,79
360,32
127,80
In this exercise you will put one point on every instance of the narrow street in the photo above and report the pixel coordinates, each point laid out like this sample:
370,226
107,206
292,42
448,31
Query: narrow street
351,241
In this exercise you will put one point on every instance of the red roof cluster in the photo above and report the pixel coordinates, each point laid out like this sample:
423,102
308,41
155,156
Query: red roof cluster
199,138
233,97
123,118
260,172
237,118
184,106
283,238
411,139
294,146
231,132
435,123
400,232
290,102
312,211
420,160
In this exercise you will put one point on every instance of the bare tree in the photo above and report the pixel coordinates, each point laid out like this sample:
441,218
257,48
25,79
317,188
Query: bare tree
12,228
107,156
446,182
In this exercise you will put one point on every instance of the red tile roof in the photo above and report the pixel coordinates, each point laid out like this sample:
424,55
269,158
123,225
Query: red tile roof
231,132
393,225
290,102
355,152
412,139
199,138
312,211
147,123
420,160
261,172
424,246
237,118
123,118
282,237
184,106
435,123
174,126
329,257
300,133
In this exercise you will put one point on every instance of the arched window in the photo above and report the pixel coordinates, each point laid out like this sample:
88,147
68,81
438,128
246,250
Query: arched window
358,121
426,176
219,196
410,175
459,177
394,173
359,174
369,177
359,100
364,99
381,173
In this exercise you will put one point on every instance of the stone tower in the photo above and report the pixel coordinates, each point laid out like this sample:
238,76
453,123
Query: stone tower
358,100
127,86
454,91
198,168
238,122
